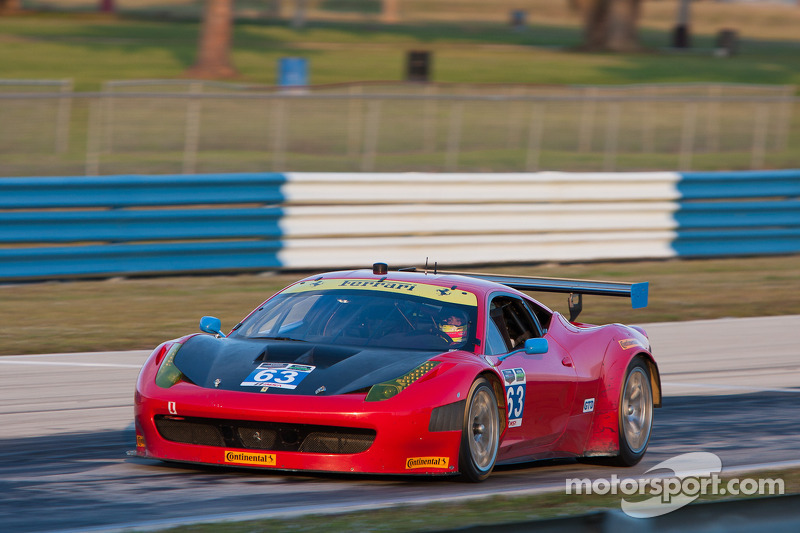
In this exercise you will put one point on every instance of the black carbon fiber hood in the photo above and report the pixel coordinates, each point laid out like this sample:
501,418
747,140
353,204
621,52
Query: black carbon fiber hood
226,364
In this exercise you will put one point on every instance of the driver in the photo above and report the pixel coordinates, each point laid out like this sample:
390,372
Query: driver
454,324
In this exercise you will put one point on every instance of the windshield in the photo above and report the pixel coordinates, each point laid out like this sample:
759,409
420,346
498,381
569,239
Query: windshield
388,315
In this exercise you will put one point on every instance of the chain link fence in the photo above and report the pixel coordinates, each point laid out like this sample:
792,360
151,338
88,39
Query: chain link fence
185,126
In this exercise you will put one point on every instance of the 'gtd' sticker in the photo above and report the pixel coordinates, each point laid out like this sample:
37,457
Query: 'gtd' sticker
278,375
588,405
514,380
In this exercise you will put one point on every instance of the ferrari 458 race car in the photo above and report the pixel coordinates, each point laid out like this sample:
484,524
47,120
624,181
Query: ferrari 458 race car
403,372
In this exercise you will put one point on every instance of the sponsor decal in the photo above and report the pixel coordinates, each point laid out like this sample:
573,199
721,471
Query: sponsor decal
418,289
588,405
627,344
301,368
515,395
249,458
140,441
278,375
172,408
426,462
379,285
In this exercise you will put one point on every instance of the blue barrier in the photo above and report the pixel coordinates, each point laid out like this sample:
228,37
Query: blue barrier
696,215
744,184
742,242
131,259
129,191
121,225
117,225
738,213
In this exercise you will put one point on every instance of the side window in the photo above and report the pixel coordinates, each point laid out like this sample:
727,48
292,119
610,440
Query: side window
541,314
512,322
495,344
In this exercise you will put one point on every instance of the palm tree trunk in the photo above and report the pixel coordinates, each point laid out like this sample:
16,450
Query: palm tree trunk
10,6
214,54
611,25
389,12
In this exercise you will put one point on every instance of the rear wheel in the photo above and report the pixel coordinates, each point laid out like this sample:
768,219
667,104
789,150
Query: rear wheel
480,434
635,414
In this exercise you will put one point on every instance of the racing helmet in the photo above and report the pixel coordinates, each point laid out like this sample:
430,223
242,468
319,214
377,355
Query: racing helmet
454,324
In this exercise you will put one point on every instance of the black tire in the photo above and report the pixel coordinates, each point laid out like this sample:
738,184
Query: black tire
635,414
480,433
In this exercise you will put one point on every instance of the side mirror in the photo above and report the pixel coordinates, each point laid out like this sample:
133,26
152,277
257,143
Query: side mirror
536,346
211,324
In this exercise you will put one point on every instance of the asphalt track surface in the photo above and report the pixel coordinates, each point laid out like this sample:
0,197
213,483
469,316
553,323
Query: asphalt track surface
732,387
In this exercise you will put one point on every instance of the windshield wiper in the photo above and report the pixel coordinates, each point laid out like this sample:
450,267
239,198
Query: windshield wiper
280,339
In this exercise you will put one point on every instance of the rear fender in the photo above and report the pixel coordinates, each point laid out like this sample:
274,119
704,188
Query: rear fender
603,437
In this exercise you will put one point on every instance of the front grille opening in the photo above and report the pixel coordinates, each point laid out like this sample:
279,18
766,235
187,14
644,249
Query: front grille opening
305,438
324,442
189,432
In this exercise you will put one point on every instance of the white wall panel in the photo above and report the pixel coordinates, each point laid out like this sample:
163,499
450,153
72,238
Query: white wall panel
453,250
340,219
390,188
421,219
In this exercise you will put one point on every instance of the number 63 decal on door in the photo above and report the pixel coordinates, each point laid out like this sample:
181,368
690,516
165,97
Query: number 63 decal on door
515,395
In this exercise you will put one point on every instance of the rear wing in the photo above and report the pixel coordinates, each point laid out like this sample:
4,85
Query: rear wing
576,288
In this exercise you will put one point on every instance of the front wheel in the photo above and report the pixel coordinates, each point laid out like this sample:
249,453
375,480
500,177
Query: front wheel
480,434
635,414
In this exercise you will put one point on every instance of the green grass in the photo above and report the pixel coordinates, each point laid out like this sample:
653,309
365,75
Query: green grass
92,49
139,313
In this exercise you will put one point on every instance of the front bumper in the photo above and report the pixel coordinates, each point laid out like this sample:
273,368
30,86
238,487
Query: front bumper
402,441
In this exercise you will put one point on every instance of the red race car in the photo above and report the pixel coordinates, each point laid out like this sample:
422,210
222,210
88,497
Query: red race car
405,372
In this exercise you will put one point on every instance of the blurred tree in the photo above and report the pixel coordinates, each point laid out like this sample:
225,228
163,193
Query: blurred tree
610,24
10,6
274,8
214,48
389,12
299,18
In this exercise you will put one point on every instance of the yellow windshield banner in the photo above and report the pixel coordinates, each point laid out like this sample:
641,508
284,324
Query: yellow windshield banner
442,294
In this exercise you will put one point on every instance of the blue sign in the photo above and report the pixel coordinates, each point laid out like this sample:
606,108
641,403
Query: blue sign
292,72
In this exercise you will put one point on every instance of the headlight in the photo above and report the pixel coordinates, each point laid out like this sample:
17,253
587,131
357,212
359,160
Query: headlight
388,389
168,374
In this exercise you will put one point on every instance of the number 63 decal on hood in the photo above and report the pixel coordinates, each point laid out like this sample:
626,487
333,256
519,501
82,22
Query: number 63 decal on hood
514,381
278,375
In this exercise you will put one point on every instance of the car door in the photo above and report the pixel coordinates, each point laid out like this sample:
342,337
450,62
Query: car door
539,388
